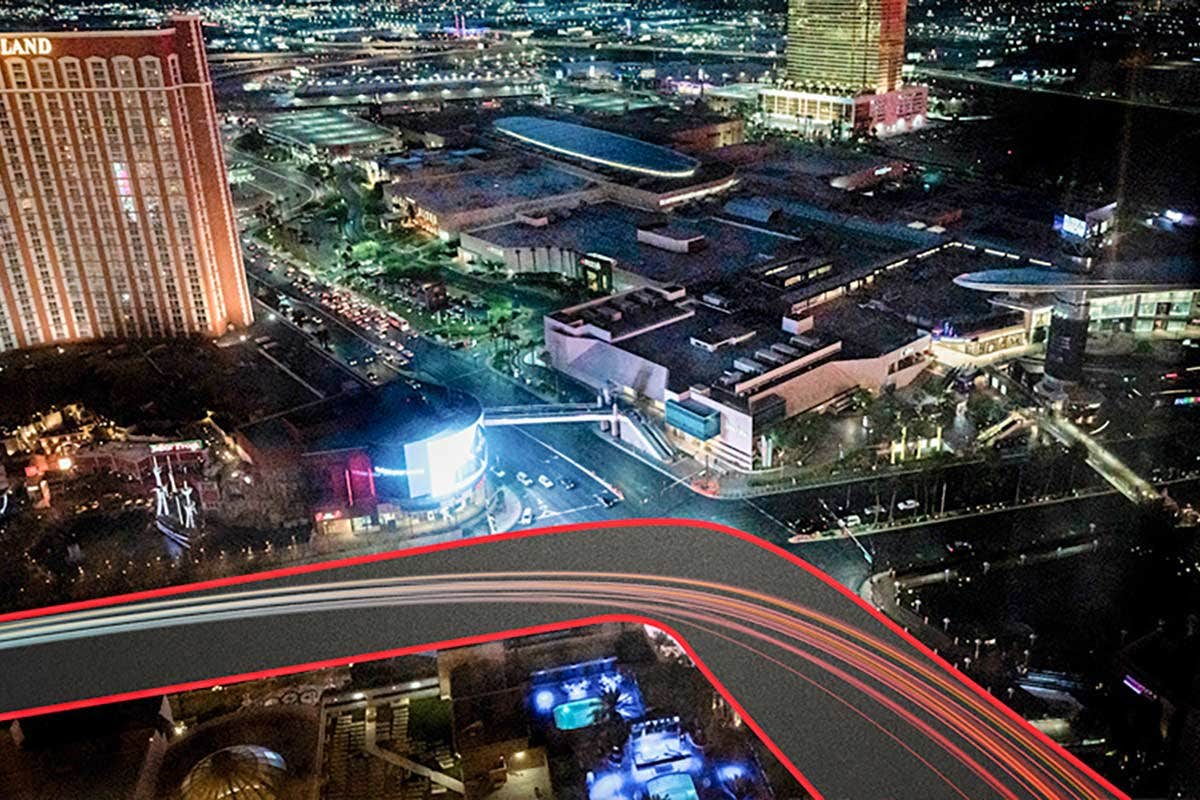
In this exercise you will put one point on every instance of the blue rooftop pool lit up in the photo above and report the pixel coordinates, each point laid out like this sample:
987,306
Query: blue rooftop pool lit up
662,758
576,696
577,714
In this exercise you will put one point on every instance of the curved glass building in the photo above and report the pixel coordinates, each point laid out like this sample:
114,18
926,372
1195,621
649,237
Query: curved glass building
399,456
245,772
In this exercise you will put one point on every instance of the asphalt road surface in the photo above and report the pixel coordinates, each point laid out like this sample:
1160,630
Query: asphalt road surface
860,710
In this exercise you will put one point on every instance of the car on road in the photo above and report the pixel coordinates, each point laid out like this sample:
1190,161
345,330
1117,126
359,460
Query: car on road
908,505
524,479
527,516
545,482
850,521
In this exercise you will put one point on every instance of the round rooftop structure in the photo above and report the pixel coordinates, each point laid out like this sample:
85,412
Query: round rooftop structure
244,772
599,147
1161,274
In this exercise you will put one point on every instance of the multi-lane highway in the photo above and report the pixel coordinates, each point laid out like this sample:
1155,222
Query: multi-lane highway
857,707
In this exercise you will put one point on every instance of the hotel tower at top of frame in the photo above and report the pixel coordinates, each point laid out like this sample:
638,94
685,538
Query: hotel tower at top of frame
115,213
843,73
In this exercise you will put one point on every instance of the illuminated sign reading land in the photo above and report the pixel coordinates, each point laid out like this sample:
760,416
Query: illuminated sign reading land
26,46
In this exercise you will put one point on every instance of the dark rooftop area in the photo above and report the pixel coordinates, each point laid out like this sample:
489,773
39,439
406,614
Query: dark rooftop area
393,415
611,229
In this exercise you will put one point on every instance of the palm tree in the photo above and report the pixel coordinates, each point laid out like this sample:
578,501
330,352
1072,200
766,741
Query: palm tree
608,709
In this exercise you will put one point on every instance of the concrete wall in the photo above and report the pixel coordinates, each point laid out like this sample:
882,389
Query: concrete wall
597,363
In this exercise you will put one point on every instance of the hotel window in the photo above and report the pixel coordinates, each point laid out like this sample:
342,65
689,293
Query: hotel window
99,71
72,77
18,75
151,71
126,78
45,73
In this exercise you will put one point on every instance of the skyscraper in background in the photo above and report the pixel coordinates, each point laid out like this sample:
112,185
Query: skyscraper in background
848,46
115,213
844,71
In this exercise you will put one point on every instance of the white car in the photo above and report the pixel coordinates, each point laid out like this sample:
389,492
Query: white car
545,482
527,516
872,511
524,479
908,505
850,521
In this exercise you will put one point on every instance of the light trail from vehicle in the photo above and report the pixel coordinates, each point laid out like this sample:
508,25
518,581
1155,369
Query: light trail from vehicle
908,698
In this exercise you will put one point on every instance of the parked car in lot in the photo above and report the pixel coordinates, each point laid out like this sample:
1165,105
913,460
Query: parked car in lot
606,500
850,521
908,505
567,483
545,482
524,479
871,511
527,516
499,473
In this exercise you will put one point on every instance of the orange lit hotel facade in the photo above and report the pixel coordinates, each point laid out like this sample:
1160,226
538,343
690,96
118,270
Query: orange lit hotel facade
843,76
115,213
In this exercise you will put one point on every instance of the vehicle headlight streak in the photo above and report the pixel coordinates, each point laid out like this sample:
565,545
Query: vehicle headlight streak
1008,757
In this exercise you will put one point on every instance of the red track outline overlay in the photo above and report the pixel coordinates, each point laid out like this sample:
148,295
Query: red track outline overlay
304,569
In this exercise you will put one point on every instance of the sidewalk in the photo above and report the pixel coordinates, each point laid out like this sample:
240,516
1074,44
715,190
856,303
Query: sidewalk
508,513
733,485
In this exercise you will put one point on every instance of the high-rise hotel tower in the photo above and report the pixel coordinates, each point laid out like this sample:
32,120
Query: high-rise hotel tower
843,76
846,46
115,213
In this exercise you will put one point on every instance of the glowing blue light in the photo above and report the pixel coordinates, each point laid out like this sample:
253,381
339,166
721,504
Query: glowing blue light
610,786
543,701
731,772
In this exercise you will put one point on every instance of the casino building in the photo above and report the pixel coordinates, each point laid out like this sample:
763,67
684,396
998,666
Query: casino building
115,214
395,458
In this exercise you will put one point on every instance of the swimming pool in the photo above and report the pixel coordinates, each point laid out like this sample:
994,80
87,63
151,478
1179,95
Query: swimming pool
676,786
576,714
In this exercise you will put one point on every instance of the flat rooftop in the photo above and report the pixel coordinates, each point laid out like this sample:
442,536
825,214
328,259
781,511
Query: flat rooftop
610,229
757,336
387,416
924,291
325,128
488,186
864,332
609,102
739,92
